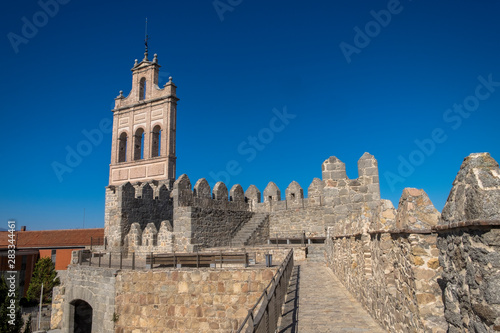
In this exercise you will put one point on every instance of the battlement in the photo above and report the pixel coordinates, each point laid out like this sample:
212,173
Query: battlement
335,189
192,215
202,196
151,190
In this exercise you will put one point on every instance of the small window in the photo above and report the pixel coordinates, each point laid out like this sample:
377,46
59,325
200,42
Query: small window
142,89
53,256
139,144
156,141
270,198
122,148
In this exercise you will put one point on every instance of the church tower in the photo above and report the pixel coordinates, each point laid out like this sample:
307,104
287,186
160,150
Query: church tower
143,146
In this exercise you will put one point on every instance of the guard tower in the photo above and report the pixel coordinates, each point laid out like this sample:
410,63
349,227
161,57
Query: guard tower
144,122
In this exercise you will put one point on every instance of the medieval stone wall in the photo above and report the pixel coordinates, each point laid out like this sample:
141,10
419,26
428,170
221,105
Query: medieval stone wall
469,244
94,285
394,276
416,270
215,227
393,272
330,201
160,216
187,300
470,258
142,204
180,300
204,217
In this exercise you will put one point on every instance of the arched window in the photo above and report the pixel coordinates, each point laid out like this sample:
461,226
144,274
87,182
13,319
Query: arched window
142,89
139,144
122,147
156,141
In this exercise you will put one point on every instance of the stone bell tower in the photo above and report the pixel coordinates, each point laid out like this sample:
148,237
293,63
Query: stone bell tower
144,122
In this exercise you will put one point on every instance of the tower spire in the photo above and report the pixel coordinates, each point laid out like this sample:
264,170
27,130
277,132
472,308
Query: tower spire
146,38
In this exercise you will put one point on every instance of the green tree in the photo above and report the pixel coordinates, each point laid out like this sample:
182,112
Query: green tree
11,321
44,273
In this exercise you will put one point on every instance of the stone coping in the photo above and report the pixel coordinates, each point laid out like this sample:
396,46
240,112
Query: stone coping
401,231
438,228
467,224
347,235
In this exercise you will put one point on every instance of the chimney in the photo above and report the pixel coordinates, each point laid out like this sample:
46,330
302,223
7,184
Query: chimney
23,228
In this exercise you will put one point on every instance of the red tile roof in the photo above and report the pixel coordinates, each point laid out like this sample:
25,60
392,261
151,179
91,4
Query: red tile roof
52,238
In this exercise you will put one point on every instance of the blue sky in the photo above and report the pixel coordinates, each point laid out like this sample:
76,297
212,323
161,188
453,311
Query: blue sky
353,76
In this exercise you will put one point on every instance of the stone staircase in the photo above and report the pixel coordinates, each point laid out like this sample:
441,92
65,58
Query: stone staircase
316,253
243,235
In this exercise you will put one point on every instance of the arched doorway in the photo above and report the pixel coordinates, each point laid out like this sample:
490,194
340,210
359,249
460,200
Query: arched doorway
81,317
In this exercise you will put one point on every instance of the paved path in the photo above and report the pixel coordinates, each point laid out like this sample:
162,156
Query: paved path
317,302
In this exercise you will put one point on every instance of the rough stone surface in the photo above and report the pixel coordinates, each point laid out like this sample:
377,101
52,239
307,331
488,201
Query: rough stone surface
94,285
187,300
160,300
416,211
321,304
392,274
476,191
470,256
388,258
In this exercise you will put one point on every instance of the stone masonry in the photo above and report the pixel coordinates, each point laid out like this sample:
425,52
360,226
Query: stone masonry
164,216
413,269
469,245
416,270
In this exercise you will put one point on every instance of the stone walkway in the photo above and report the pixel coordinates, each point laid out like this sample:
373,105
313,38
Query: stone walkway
317,302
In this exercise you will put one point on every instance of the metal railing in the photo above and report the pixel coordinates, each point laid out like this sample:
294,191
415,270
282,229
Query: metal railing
197,259
295,238
109,259
132,261
264,318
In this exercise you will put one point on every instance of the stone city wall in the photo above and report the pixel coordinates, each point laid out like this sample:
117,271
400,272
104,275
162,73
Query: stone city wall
187,300
416,270
204,217
393,272
165,217
469,244
159,300
94,285
143,204
330,201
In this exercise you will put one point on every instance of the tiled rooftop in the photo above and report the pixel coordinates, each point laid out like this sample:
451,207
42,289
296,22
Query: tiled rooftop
52,238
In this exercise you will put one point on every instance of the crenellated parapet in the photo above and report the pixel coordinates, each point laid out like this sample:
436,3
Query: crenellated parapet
343,190
335,189
135,204
203,197
252,195
272,193
237,194
335,200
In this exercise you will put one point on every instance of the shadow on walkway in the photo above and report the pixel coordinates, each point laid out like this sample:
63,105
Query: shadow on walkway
289,318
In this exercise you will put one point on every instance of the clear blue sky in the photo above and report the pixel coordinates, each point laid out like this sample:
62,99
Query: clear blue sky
233,66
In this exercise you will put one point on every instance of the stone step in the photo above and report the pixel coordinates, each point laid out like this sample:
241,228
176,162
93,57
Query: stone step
248,229
316,253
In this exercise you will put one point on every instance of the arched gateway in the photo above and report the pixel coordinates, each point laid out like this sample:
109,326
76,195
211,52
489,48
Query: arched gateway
80,317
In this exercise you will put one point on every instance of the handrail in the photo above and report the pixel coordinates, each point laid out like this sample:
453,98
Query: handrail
133,261
272,299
